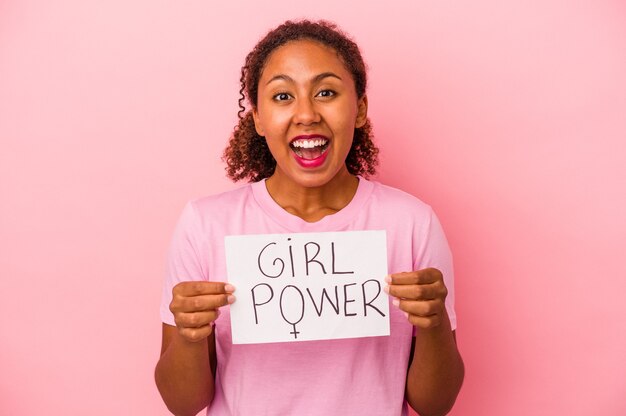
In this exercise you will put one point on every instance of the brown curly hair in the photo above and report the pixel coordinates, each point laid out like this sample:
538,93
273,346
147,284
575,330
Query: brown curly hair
247,154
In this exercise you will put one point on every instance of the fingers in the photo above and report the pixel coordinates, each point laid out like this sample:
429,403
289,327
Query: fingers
419,277
426,284
201,296
420,295
202,288
420,308
195,306
200,303
195,334
420,313
196,319
425,322
416,292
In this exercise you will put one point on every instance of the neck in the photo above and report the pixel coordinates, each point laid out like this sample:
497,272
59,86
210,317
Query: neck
315,202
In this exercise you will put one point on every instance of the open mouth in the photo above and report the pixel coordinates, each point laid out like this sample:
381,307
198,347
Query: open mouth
309,148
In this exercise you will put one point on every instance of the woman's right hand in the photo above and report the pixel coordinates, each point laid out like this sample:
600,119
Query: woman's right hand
195,306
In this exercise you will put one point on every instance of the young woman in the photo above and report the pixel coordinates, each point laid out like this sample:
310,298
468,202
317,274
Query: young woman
305,146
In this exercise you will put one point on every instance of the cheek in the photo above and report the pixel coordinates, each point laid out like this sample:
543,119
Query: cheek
273,122
346,124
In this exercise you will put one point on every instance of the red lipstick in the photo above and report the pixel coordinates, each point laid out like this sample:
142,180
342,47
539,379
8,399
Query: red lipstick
311,150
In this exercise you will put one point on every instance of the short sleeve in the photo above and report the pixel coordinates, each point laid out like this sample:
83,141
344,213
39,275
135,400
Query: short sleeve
184,262
435,252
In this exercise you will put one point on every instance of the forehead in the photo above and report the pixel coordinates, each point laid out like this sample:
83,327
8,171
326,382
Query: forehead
303,56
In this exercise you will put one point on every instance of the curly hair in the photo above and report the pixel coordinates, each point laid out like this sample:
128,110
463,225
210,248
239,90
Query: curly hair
247,154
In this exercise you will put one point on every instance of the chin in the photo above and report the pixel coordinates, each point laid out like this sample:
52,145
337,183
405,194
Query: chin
319,178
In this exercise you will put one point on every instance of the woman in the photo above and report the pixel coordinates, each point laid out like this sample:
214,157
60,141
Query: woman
305,145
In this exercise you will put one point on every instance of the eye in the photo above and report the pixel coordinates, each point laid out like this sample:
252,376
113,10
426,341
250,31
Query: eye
326,93
281,96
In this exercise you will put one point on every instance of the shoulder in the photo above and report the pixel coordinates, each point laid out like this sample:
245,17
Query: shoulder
219,206
398,202
222,199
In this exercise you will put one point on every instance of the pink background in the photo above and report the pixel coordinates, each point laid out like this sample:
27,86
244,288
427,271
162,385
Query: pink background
510,119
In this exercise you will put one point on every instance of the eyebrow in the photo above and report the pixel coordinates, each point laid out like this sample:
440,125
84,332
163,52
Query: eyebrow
315,79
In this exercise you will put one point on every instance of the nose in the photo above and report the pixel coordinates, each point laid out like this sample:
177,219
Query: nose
305,112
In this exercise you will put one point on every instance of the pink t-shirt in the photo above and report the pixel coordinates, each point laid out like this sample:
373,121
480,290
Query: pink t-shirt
355,376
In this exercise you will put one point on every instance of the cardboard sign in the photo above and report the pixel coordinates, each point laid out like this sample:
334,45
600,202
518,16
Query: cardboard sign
308,286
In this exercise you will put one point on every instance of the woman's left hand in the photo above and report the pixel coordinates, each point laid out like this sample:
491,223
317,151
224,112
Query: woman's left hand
420,295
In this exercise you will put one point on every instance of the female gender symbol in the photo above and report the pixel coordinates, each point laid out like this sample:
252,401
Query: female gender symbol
282,312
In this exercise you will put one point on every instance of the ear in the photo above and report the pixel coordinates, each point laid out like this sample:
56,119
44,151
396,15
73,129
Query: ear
257,123
361,115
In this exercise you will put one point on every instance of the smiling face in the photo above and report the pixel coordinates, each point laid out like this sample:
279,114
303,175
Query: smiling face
307,110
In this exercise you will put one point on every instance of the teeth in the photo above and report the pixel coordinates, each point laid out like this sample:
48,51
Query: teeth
309,144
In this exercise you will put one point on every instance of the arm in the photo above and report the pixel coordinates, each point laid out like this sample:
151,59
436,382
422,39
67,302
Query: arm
185,371
183,374
436,372
436,369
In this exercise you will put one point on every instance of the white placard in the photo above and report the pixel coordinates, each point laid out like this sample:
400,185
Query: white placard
308,286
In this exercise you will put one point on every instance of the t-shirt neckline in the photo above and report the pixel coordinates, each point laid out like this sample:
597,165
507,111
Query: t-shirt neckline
333,222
